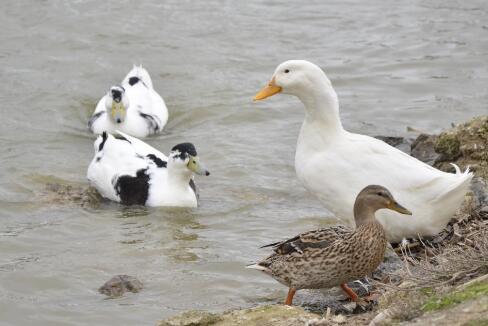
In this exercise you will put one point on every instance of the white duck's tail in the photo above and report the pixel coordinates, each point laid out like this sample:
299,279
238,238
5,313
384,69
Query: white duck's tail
456,190
138,73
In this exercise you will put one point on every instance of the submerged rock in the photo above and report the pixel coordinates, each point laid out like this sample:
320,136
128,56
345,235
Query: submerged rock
59,193
271,315
119,284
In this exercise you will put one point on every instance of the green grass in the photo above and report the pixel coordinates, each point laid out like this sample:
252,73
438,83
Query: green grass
441,302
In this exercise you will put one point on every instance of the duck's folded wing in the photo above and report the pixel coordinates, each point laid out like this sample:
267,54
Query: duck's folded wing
148,105
320,238
97,115
424,181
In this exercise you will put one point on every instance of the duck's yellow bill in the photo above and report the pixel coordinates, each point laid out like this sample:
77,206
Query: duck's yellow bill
270,90
393,205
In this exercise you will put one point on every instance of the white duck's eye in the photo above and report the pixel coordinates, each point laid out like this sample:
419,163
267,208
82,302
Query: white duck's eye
287,71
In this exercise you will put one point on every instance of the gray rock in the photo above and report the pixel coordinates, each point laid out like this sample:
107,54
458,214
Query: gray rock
192,318
480,190
271,315
401,143
423,148
119,284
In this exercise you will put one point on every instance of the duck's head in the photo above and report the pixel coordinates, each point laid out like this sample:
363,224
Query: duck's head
116,103
295,77
184,157
373,198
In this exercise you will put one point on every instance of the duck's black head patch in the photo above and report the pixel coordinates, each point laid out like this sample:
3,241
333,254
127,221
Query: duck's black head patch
133,80
184,149
117,92
116,95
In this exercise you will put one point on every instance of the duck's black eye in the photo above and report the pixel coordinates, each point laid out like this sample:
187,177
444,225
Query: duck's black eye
287,71
380,194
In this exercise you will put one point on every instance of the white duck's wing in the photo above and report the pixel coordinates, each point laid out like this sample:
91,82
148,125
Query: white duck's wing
142,148
147,106
116,161
433,184
145,102
98,121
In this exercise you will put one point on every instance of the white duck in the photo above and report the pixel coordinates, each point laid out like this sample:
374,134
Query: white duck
133,107
335,164
131,172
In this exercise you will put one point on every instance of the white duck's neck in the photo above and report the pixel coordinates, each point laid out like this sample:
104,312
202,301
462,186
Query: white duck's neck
178,179
322,107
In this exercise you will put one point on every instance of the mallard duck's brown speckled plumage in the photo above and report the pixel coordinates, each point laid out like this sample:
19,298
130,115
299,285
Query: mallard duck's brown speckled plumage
335,255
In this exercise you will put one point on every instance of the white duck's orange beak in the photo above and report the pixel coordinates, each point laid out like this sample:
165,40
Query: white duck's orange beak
269,90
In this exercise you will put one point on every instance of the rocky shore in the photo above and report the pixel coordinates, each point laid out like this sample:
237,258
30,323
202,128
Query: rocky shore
442,280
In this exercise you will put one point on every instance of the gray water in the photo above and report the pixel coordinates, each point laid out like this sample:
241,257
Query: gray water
394,64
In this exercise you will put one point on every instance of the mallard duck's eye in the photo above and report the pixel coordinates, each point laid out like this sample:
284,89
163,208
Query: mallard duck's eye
287,71
380,194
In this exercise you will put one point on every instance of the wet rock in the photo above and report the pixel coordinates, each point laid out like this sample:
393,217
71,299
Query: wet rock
473,312
271,315
479,187
401,143
423,148
192,318
391,140
448,146
119,284
465,145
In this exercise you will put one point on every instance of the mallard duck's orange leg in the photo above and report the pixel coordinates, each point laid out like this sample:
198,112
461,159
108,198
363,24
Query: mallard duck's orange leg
289,297
354,297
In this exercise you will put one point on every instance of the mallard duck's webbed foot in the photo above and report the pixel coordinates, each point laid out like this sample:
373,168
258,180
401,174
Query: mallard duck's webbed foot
350,293
289,297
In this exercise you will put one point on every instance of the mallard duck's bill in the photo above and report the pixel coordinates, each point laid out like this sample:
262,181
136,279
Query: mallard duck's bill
195,166
399,208
270,90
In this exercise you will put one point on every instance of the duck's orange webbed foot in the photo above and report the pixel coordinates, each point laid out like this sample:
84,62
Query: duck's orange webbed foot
350,293
289,297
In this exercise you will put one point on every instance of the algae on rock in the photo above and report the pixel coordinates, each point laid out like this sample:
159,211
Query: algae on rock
270,315
465,145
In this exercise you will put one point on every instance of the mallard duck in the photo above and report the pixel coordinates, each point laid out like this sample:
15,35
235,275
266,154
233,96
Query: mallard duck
129,171
333,163
335,255
133,107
